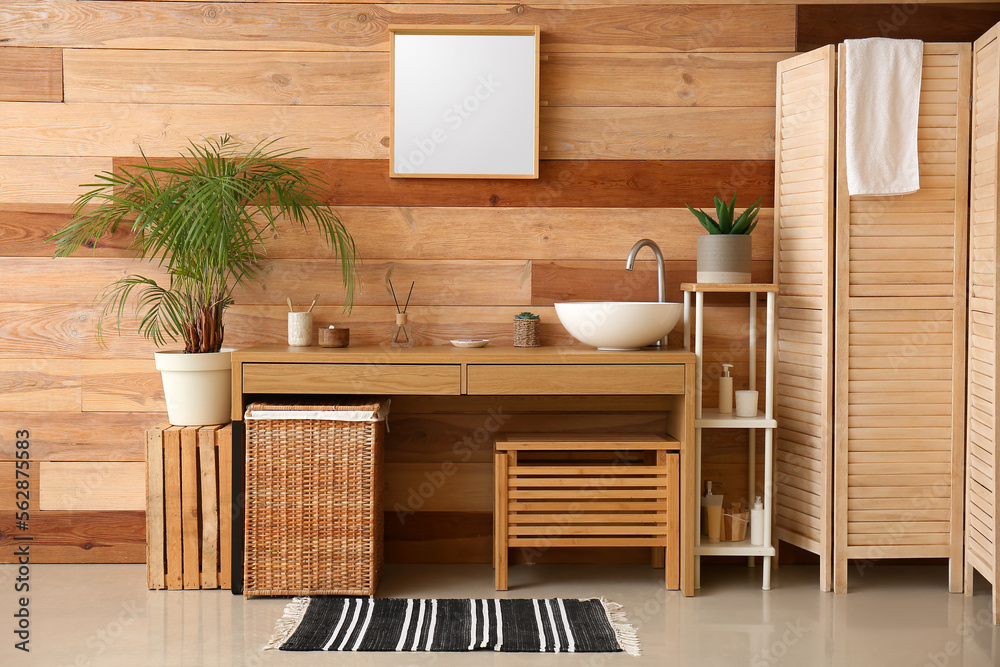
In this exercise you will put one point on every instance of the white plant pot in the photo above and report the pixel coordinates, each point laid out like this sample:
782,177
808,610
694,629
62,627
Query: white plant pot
197,387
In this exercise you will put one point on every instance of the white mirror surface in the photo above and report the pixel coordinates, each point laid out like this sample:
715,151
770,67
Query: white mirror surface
464,102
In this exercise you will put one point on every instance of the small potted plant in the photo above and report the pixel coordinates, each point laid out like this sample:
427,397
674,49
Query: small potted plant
725,254
203,221
526,327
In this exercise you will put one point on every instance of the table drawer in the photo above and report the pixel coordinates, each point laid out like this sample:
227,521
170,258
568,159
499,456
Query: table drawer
422,379
578,379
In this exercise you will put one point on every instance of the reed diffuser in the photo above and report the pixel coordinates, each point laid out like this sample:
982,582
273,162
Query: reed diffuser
402,332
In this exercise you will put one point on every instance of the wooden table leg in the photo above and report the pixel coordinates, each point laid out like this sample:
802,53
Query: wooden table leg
500,519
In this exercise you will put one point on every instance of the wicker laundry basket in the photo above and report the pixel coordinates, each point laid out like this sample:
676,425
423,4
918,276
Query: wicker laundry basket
314,498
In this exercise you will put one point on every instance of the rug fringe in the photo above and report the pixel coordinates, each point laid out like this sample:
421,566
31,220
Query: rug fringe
288,623
628,639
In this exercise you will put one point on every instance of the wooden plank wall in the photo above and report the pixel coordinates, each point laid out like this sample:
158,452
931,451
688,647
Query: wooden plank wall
648,106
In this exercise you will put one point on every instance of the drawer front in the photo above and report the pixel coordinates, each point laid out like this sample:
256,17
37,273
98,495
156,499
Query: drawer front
575,379
421,379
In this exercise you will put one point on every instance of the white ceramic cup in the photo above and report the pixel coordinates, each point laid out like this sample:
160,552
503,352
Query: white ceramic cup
300,327
746,403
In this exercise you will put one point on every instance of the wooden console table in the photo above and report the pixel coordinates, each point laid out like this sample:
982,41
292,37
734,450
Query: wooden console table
489,371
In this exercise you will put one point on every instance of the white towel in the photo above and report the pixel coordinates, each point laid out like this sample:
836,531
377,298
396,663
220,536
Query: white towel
883,103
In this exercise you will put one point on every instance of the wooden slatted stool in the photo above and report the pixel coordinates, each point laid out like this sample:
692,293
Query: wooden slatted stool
587,491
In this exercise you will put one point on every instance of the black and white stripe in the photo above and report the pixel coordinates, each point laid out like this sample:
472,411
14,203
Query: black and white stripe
539,625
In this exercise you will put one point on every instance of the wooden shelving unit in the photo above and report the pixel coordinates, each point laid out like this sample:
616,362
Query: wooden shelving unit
710,418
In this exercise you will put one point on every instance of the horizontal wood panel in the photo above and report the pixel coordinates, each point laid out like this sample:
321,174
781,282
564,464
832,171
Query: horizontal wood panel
637,133
459,282
79,537
830,23
388,232
78,486
52,385
561,183
364,27
90,129
441,379
468,438
76,436
437,487
557,281
38,180
31,75
591,379
362,79
665,80
226,77
121,385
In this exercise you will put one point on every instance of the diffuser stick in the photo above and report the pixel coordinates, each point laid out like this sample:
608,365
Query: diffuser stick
407,298
394,295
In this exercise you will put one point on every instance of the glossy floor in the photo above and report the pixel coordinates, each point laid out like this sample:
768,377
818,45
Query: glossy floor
102,615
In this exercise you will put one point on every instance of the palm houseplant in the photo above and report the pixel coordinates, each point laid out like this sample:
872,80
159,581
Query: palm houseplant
725,254
202,220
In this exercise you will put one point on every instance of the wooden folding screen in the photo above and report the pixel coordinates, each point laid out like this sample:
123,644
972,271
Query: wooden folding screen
898,360
982,460
900,341
803,202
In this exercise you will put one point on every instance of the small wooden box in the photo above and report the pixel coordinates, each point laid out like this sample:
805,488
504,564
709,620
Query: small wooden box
334,337
188,507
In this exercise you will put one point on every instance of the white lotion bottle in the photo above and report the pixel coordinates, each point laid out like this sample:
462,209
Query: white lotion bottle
757,523
726,391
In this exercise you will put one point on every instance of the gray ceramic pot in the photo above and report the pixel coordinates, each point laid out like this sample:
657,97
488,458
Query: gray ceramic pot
724,258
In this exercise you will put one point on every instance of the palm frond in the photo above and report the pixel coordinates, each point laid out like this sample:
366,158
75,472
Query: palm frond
204,220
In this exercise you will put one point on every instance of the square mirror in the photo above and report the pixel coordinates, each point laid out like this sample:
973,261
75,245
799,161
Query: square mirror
464,101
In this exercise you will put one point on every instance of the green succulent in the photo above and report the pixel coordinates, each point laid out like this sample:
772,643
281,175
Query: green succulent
725,224
526,316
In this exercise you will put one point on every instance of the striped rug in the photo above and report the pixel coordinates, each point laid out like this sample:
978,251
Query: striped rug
552,625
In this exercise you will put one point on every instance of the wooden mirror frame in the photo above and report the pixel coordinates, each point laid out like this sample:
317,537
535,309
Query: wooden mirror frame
424,142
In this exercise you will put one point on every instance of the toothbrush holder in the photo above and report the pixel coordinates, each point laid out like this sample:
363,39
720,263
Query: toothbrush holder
300,326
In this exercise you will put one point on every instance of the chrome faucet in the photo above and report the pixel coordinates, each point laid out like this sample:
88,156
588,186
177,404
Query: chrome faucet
659,264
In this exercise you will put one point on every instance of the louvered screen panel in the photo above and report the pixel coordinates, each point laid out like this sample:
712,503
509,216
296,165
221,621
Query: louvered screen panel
803,214
981,448
900,341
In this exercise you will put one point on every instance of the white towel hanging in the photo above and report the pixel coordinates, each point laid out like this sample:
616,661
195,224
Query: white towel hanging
883,104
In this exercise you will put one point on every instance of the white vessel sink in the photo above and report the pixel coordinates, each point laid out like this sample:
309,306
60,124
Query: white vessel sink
619,325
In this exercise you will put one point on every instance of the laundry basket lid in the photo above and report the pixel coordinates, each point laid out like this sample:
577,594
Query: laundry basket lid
346,409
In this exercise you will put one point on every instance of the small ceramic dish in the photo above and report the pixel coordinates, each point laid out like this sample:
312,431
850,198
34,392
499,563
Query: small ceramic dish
470,342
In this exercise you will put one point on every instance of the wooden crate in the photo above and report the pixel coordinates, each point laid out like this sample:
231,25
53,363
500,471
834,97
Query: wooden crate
188,507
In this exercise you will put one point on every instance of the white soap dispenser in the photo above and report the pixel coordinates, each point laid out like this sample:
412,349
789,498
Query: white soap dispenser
757,523
726,391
